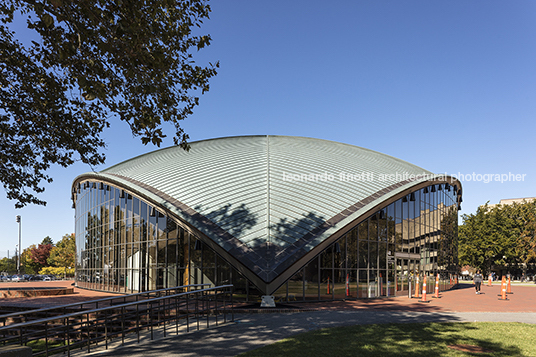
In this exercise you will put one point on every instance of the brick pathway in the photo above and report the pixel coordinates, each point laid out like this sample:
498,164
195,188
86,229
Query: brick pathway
462,299
250,331
46,301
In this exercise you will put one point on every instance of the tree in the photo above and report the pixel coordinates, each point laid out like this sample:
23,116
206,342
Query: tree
474,240
526,247
8,265
502,235
63,254
89,61
57,271
27,262
47,240
40,254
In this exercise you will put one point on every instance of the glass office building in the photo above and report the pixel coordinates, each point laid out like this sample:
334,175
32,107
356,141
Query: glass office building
298,218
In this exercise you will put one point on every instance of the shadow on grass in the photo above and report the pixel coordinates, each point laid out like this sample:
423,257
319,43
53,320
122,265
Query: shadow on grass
411,340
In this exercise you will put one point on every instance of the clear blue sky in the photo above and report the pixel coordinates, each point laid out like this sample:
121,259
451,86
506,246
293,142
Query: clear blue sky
447,85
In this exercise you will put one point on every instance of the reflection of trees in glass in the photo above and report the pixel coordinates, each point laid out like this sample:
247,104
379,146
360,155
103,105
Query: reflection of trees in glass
394,236
373,227
447,249
351,258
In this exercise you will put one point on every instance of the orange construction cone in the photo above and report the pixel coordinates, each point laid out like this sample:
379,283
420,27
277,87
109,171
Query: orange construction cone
489,280
417,287
436,295
509,288
503,289
424,290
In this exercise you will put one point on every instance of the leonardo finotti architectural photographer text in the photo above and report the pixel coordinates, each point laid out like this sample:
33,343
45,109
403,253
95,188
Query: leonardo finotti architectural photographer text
371,177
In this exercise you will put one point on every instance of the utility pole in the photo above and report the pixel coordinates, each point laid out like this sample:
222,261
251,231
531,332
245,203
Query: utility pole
20,248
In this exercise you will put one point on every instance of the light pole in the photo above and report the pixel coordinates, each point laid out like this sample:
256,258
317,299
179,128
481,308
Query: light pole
20,248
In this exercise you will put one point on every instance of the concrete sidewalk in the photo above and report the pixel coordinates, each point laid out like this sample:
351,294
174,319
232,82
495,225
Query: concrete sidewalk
250,331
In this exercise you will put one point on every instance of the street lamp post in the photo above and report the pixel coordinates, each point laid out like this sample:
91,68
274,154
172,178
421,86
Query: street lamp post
20,248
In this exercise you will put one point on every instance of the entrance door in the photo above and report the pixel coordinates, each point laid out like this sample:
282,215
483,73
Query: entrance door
407,271
402,276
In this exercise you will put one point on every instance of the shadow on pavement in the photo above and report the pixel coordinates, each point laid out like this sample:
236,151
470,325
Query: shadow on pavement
251,331
399,340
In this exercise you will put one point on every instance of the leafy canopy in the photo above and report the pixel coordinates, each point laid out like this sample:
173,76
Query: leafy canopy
499,235
90,61
47,240
63,254
40,254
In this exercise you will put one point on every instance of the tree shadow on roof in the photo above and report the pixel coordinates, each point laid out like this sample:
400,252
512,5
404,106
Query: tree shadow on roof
287,232
234,221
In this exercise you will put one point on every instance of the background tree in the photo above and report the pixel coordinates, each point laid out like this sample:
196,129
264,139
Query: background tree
89,61
474,240
47,240
448,244
501,235
63,254
28,265
8,265
526,247
57,271
40,254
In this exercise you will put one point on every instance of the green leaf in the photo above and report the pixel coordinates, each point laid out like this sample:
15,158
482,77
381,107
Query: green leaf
138,64
47,20
89,96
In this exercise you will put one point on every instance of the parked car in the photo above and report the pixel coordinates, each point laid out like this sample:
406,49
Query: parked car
17,277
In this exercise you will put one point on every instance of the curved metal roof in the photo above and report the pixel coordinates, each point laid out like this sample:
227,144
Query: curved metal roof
266,200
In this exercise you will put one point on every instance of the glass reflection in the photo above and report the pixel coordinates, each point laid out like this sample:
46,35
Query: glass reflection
126,245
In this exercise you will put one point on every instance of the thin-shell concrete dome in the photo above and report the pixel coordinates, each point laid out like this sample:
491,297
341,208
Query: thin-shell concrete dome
267,204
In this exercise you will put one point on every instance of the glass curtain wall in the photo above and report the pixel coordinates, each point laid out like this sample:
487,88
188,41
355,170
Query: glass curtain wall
415,236
125,245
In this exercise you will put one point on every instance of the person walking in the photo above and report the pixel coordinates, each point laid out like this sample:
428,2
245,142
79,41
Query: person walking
477,279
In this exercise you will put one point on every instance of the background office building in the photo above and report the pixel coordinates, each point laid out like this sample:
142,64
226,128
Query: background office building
297,218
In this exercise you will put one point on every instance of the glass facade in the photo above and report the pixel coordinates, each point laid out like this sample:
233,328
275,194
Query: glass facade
126,245
379,257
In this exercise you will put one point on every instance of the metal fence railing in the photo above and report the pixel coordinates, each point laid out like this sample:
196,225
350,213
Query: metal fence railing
35,314
117,319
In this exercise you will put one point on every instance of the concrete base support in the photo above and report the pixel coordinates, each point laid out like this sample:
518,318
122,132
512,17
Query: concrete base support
267,301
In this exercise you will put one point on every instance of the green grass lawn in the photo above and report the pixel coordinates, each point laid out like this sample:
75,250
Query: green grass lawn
408,340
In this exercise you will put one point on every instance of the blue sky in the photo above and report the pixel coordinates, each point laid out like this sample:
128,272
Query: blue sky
446,85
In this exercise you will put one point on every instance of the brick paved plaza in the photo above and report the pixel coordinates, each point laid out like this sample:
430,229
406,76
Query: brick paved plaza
252,330
463,299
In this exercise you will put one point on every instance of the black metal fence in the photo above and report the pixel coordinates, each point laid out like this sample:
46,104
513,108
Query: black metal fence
130,317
